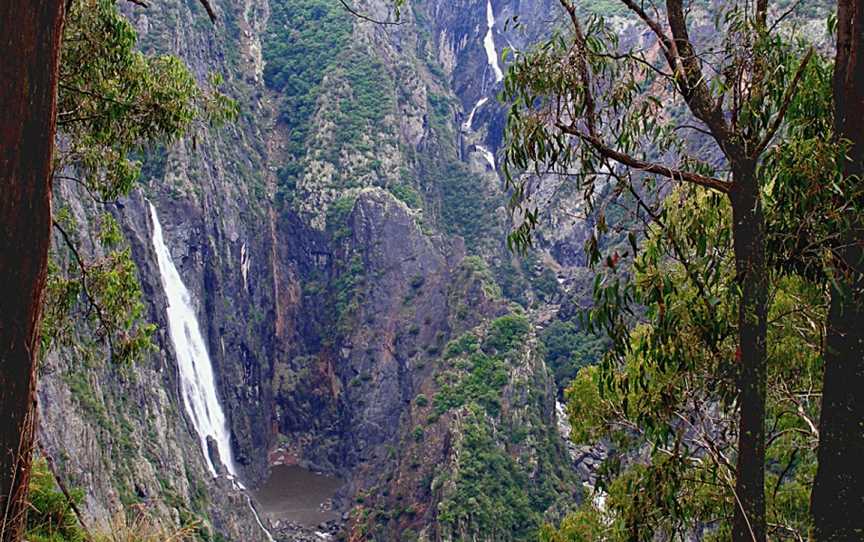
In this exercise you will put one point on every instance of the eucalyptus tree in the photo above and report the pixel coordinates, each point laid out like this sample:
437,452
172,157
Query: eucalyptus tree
118,115
29,48
838,491
586,107
669,400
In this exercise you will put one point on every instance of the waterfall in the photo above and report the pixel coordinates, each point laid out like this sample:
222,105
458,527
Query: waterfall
489,43
487,155
245,263
197,383
469,122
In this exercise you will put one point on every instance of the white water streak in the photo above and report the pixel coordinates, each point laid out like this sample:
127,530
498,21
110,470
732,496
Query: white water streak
487,154
197,383
258,519
469,122
245,263
489,43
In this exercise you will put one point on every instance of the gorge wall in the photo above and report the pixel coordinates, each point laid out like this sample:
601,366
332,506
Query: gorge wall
343,244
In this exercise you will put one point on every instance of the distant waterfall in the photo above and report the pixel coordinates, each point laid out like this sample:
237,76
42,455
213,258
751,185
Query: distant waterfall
489,43
487,155
197,384
469,122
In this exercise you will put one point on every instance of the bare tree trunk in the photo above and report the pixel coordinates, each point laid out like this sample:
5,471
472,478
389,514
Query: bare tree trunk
748,233
837,501
29,55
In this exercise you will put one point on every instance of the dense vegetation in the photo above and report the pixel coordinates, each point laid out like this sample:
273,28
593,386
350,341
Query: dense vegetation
568,349
717,311
489,492
296,63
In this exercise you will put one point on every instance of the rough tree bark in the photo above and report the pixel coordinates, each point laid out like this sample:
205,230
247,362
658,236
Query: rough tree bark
30,32
748,231
748,236
838,491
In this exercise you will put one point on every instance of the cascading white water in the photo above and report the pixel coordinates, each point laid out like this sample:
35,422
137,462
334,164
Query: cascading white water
197,383
469,122
245,263
487,155
489,43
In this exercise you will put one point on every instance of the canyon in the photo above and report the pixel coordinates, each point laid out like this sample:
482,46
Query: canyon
332,290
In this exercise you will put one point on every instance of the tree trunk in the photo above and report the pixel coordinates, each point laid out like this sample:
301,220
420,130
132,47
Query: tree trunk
748,233
837,503
29,54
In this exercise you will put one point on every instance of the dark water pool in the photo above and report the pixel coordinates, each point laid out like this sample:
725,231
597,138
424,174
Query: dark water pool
295,494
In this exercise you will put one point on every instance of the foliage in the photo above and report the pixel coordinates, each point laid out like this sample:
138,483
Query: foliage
369,96
465,208
506,334
407,194
488,500
479,374
586,524
114,103
296,60
338,215
50,518
567,349
110,286
622,96
809,202
670,391
302,42
479,378
598,113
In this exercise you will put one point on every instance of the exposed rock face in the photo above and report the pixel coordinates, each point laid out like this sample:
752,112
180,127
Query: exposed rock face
332,261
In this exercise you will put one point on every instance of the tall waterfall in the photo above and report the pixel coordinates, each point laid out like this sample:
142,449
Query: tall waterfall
489,43
197,383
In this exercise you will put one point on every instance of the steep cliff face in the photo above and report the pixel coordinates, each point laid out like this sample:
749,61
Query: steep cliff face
122,432
343,244
119,430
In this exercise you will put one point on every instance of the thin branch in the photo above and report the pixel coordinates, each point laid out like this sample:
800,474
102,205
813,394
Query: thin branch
783,474
639,59
86,187
582,67
682,258
359,15
100,97
83,268
668,46
69,500
785,14
648,167
692,81
209,9
692,127
141,3
791,90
